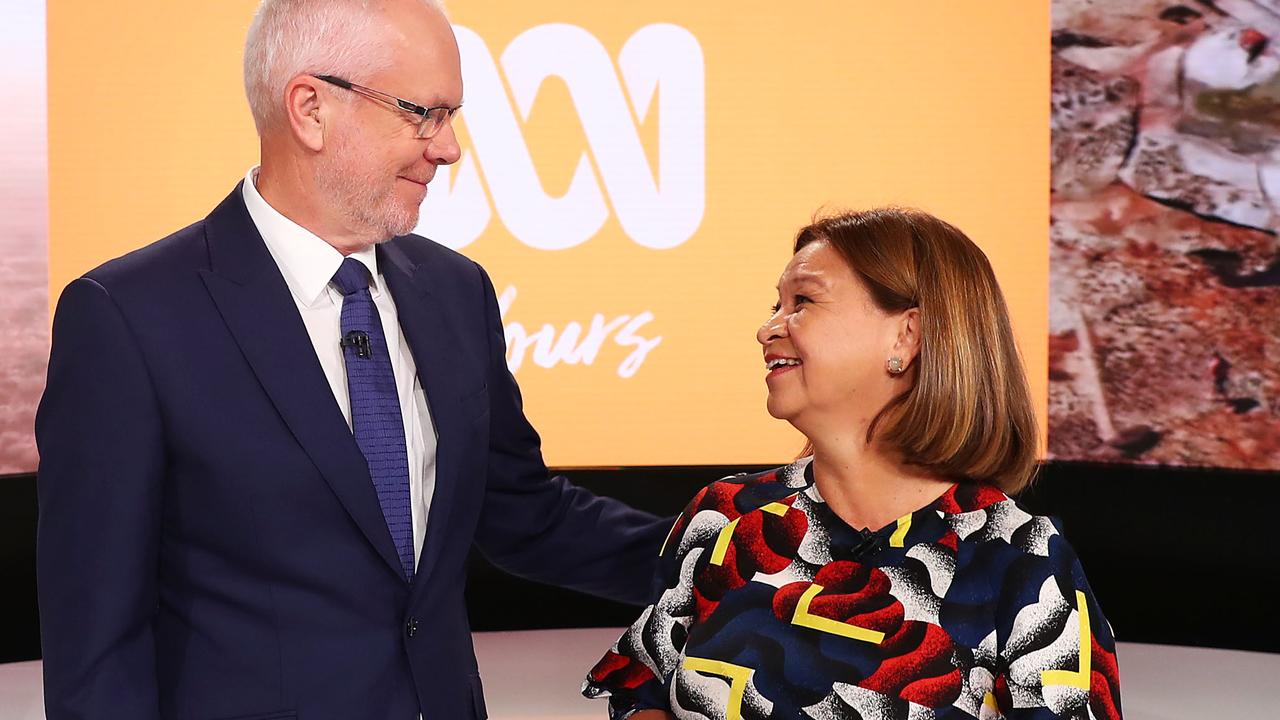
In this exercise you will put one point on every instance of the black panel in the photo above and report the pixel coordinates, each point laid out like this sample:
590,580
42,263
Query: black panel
19,618
1175,555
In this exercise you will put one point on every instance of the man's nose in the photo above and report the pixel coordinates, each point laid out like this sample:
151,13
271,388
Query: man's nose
442,148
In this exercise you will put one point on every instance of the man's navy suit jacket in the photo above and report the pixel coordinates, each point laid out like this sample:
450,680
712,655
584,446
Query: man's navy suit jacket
210,542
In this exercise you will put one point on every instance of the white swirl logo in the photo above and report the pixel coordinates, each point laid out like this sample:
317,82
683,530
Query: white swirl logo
658,210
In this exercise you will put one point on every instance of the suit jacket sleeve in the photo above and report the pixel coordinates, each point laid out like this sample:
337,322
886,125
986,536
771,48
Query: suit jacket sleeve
99,433
545,528
637,672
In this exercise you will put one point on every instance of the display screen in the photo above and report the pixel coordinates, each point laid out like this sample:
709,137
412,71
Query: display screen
1165,313
633,175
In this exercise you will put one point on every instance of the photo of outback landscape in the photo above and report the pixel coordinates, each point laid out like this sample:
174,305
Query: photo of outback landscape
24,249
1165,265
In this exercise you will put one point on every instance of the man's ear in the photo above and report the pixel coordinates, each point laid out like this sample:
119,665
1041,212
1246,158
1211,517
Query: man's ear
307,110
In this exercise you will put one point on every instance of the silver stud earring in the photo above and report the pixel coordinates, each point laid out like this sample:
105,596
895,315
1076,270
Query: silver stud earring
894,365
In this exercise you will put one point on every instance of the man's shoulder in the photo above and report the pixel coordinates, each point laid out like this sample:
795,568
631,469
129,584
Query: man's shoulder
447,272
162,259
420,250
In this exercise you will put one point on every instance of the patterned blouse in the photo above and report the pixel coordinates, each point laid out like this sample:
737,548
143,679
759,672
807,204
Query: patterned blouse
773,607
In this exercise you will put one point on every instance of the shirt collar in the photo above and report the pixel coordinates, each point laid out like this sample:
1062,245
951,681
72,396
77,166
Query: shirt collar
307,262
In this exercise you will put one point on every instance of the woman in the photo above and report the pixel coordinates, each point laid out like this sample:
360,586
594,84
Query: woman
886,574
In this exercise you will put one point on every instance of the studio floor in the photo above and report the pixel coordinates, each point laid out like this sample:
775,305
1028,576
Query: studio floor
535,675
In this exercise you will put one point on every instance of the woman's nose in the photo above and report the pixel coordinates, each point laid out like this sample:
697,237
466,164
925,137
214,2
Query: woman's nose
773,328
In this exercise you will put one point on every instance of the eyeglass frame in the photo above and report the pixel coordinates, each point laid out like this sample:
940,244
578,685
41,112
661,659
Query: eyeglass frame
424,132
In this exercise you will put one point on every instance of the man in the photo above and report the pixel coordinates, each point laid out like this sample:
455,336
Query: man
269,440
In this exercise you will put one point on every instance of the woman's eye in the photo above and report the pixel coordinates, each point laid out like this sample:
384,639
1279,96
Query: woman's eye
773,310
800,299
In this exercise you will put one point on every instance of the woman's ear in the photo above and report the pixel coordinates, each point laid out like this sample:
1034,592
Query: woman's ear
907,346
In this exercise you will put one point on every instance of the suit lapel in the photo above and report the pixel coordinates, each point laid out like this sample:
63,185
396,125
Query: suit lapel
426,329
254,301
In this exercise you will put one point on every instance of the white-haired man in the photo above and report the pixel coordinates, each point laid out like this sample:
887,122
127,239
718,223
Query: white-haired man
269,440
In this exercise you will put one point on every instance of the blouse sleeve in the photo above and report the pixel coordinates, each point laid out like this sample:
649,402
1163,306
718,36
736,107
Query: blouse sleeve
1057,656
636,672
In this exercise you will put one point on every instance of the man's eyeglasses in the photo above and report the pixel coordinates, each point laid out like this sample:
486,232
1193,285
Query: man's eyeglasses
430,119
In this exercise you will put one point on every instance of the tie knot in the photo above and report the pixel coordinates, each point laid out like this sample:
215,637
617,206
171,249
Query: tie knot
352,276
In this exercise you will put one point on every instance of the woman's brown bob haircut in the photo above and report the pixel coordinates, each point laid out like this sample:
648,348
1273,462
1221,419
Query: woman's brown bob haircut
968,413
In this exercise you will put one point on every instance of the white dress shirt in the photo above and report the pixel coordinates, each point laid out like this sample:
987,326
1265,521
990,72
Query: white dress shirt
308,264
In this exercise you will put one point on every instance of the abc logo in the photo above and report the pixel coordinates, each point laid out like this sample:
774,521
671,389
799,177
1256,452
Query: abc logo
658,208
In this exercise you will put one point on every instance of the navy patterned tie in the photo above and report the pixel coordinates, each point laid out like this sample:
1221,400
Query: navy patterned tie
375,405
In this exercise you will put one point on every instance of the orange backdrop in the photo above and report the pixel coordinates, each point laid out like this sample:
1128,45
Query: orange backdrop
938,105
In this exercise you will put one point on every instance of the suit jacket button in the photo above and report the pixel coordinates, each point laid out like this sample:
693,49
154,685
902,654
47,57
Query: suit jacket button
411,627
